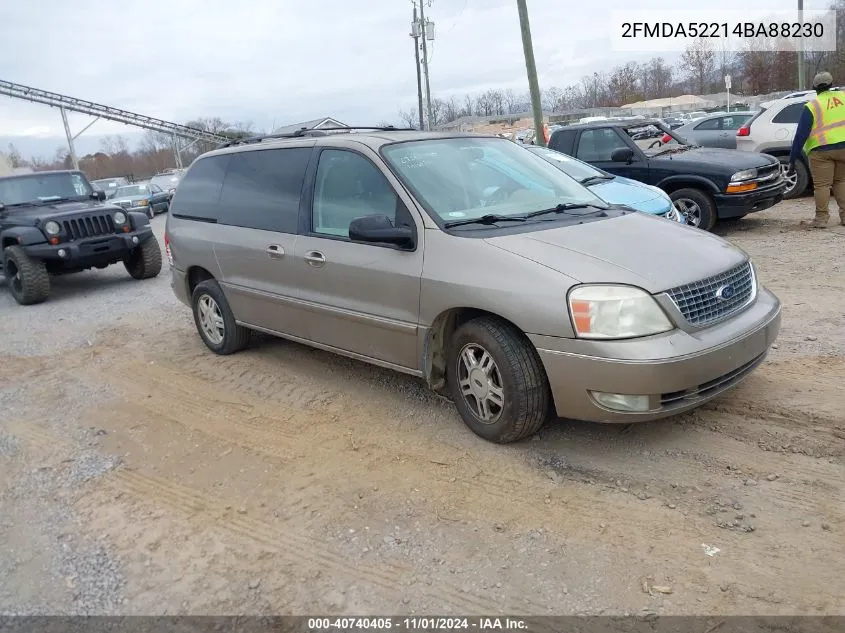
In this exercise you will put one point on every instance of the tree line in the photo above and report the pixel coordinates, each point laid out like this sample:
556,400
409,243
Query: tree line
700,70
154,153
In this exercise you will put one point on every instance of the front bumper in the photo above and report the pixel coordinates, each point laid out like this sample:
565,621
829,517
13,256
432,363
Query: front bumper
91,251
677,371
734,205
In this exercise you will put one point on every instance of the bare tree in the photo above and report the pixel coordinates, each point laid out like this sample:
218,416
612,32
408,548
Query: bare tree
14,156
469,106
511,101
451,110
410,118
698,62
623,83
550,98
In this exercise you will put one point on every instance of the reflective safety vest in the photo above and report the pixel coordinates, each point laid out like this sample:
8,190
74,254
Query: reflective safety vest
828,110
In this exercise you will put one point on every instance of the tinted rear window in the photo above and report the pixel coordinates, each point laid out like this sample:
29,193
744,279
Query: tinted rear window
262,189
199,192
790,114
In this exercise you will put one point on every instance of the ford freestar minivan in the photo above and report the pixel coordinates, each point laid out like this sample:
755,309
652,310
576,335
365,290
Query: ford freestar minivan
471,263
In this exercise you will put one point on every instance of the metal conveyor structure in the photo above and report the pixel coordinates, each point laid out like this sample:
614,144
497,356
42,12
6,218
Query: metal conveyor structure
65,103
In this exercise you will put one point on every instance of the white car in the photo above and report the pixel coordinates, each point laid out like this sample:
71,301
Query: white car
771,130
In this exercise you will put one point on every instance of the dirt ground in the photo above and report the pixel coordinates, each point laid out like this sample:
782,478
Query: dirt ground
140,474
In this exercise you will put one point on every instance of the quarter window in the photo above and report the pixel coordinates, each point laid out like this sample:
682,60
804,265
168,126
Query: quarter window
199,191
790,114
349,186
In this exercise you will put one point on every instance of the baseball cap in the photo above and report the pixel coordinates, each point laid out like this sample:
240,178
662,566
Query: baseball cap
823,78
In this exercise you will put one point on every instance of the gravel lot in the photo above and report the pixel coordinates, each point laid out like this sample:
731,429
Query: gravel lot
140,474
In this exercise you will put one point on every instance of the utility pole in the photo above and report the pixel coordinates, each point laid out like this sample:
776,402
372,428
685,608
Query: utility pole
415,33
425,64
70,146
801,83
531,68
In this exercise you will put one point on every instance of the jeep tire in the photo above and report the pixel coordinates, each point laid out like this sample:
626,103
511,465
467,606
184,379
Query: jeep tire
27,277
145,261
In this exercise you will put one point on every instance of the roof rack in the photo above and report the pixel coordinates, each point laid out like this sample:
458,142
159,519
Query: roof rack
304,131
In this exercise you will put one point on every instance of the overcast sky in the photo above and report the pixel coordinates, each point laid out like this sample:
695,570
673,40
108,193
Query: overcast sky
276,62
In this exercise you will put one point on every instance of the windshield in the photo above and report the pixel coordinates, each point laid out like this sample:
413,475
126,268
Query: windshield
44,187
570,166
132,190
465,178
654,139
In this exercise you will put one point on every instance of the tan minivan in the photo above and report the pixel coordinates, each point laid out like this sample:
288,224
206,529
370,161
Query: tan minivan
471,263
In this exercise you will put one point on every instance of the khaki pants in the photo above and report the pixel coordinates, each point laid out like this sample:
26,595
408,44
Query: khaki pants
828,171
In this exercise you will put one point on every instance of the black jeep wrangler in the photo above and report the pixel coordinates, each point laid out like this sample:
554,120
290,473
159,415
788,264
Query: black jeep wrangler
55,222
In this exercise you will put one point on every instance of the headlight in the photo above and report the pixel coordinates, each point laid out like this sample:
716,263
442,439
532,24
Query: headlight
607,312
52,228
120,218
745,174
143,202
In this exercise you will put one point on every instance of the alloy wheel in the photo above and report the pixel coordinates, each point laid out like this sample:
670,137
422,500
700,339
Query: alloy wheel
480,382
211,320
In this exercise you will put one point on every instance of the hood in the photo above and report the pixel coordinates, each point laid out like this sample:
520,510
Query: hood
635,194
59,210
636,249
729,160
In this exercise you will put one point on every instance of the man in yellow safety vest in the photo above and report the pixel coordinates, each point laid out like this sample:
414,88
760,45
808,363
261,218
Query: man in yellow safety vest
821,137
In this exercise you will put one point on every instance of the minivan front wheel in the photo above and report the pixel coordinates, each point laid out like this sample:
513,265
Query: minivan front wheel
497,381
215,322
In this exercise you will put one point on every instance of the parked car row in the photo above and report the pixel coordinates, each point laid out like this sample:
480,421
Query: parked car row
705,184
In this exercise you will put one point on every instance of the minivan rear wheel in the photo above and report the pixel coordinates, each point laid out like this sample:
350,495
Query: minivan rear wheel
214,320
497,381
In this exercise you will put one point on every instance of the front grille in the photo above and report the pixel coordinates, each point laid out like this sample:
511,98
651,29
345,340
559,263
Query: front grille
89,226
715,298
768,174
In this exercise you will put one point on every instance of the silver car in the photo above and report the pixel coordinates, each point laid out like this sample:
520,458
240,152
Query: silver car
472,264
715,130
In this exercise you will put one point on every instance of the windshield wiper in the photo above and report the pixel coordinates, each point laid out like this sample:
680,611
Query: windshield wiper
565,208
490,218
591,180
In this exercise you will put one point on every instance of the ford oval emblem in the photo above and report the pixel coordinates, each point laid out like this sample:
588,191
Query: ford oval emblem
725,292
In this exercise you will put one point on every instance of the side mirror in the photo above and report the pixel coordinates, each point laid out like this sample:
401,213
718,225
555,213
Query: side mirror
379,229
622,155
99,195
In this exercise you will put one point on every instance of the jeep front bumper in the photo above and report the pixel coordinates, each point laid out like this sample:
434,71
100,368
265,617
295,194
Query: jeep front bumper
91,251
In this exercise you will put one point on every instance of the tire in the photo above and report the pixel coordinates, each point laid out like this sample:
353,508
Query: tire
698,203
516,370
233,337
801,178
145,261
27,277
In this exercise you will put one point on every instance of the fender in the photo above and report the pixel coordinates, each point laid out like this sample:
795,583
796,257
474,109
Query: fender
689,180
22,235
137,219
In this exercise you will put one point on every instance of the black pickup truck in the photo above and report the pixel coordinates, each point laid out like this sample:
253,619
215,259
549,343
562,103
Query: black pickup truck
706,184
55,222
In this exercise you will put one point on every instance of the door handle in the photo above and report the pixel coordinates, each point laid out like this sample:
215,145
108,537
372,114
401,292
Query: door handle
316,259
274,251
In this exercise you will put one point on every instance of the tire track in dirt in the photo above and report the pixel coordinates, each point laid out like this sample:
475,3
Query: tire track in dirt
194,405
287,542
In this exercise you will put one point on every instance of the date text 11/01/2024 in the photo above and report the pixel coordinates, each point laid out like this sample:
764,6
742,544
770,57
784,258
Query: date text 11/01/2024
317,625
722,29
